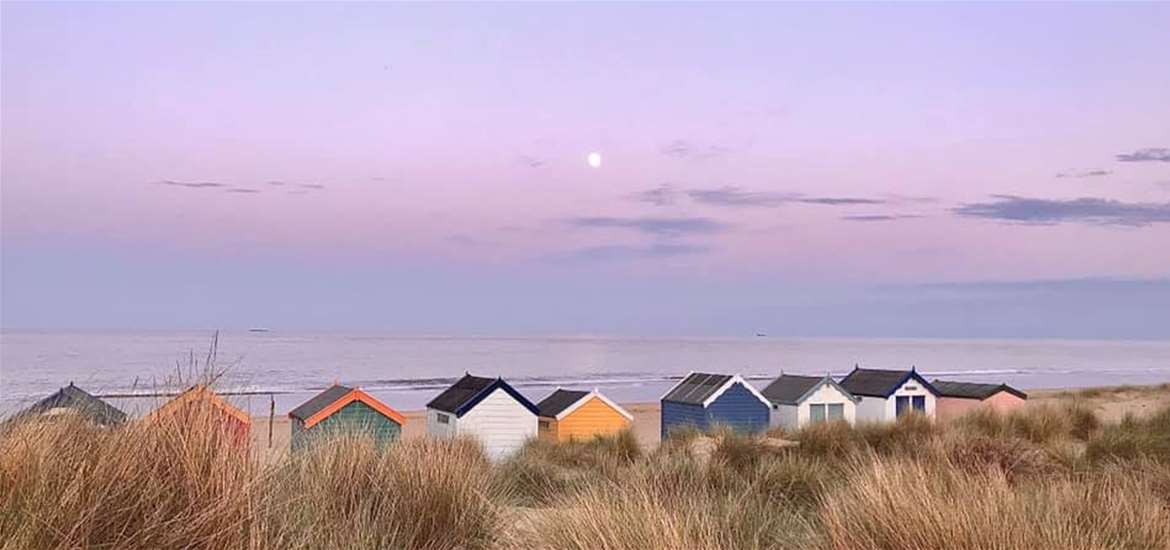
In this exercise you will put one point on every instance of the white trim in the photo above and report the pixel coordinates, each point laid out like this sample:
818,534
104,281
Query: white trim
731,382
585,399
677,384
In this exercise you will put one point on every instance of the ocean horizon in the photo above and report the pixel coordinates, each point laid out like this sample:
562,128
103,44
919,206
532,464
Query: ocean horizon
266,368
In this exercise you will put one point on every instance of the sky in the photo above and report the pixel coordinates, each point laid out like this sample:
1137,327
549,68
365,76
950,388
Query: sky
872,170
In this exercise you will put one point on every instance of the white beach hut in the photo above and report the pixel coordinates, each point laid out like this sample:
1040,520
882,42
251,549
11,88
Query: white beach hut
488,409
801,400
888,394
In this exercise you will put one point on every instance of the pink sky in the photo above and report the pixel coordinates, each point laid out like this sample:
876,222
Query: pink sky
1006,143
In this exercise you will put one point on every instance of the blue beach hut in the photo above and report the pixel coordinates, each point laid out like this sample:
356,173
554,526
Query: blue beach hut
703,401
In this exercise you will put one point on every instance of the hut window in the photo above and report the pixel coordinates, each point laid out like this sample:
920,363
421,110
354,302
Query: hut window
836,411
544,424
816,413
911,388
444,419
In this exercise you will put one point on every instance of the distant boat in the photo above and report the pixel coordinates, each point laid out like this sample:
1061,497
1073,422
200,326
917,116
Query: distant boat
258,329
761,334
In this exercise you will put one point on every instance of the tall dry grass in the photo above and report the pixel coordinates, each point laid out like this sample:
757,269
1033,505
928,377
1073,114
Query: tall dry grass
1053,477
168,484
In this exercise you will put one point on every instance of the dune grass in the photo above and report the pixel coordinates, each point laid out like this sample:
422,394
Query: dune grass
1046,477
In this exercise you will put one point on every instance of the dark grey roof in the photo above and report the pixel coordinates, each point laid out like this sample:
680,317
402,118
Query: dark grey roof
72,397
696,388
880,383
468,391
558,401
319,402
789,388
970,390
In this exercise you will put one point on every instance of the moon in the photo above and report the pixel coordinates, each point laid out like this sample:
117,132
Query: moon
594,160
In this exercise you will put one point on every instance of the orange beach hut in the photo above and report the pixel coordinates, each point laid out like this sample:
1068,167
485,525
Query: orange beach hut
200,404
570,414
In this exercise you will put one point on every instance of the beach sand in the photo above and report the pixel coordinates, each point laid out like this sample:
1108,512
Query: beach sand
1111,404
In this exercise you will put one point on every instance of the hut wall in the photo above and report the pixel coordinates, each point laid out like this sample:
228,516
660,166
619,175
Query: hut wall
739,409
827,394
546,428
500,423
784,416
678,415
593,418
442,424
952,407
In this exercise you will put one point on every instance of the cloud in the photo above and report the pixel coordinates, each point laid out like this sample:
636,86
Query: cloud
839,201
275,183
310,186
246,190
192,184
1085,210
653,226
735,197
531,162
879,217
624,252
1152,154
1088,174
684,149
662,195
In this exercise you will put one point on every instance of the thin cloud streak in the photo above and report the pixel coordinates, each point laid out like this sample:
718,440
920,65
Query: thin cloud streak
626,252
732,196
653,226
1085,210
530,161
663,195
1088,174
192,184
1151,154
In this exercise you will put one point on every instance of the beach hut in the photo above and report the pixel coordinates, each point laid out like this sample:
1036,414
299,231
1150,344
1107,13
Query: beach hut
344,410
959,398
72,400
569,414
487,409
801,400
888,394
703,401
200,404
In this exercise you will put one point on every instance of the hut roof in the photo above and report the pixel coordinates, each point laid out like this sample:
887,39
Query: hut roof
970,390
335,398
200,392
468,391
78,400
562,403
699,388
881,383
792,389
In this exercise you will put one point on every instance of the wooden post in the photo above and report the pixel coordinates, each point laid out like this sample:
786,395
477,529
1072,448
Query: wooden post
271,416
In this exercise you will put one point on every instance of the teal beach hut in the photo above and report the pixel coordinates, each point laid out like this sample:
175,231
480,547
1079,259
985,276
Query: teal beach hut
341,410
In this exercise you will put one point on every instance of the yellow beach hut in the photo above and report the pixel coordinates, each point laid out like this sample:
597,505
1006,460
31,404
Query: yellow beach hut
571,414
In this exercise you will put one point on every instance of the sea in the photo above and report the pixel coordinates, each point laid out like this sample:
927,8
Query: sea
271,372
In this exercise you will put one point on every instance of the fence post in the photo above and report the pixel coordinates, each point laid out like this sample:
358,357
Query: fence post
271,416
